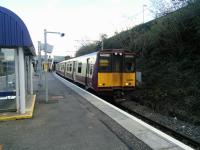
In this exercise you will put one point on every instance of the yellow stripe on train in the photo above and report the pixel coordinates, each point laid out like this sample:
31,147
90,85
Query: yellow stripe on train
116,79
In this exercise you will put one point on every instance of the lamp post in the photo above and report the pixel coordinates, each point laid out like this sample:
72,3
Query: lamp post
144,5
46,60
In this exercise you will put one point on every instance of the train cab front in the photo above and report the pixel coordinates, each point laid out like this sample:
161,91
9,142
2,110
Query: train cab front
116,72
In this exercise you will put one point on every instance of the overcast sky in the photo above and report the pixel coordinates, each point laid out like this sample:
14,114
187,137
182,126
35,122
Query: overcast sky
80,20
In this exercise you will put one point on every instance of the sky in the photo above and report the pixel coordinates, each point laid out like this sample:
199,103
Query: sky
82,21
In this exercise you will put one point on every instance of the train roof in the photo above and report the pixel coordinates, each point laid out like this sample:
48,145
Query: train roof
83,56
95,53
117,50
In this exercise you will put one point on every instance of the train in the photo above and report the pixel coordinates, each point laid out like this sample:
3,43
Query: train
106,72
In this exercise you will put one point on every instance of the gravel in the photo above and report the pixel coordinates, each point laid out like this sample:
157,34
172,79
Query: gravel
183,127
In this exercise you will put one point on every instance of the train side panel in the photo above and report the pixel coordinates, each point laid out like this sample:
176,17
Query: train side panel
80,69
106,72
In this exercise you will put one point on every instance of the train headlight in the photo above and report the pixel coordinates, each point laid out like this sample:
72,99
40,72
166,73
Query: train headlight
100,84
120,54
115,53
127,84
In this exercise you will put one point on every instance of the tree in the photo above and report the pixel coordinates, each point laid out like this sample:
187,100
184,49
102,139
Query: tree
86,49
67,57
164,7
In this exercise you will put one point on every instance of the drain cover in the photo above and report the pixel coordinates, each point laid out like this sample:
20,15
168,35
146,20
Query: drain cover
56,97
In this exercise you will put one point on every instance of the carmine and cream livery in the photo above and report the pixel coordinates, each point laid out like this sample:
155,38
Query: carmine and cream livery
109,71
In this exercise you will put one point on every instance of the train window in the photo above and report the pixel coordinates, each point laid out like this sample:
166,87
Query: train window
129,63
79,67
7,70
63,67
117,63
105,63
70,67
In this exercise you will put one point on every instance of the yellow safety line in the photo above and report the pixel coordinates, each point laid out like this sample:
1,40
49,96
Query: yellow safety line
14,116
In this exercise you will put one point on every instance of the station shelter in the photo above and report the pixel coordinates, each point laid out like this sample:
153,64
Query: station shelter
16,68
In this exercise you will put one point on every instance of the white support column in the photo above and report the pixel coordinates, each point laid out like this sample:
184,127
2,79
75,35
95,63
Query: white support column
31,75
17,80
22,80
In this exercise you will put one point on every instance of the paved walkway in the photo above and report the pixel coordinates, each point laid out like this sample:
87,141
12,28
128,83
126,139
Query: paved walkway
67,122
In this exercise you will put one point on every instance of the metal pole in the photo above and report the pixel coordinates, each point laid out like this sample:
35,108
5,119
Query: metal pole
46,61
39,63
102,44
31,75
143,13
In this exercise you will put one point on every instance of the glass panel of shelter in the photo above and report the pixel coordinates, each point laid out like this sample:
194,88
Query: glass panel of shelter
7,78
7,70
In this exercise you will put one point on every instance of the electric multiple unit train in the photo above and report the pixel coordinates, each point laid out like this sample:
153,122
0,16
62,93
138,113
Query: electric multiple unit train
109,71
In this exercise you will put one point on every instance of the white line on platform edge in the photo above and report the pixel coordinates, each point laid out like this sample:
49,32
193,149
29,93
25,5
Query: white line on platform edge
171,139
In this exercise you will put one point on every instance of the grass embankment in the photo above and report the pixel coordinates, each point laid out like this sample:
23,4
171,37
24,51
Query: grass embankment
169,59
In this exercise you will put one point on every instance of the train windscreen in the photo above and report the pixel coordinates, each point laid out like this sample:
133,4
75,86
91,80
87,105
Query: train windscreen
105,63
129,63
117,63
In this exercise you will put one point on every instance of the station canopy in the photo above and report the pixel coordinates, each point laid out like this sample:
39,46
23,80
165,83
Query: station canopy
14,33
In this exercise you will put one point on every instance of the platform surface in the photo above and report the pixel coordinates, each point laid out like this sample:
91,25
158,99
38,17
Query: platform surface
66,122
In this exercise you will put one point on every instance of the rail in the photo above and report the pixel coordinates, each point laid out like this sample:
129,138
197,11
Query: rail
185,139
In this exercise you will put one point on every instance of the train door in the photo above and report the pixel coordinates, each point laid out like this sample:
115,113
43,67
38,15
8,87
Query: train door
87,72
65,68
74,71
117,68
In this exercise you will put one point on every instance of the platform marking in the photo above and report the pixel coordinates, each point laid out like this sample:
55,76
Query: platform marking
159,133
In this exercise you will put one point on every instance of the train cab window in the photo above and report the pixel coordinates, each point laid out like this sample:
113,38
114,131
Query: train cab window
105,63
117,63
79,67
129,63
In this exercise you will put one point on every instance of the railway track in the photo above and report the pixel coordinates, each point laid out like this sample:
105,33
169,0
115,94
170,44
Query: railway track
181,137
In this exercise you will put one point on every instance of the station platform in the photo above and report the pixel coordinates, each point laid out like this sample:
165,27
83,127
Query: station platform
74,120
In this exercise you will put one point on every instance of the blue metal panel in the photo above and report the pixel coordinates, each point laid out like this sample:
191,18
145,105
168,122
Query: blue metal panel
13,32
7,93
